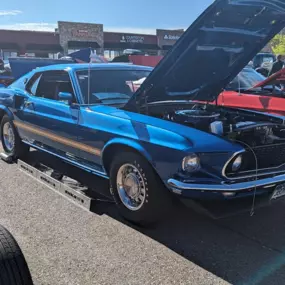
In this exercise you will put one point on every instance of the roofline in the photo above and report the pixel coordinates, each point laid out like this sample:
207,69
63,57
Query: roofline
76,66
29,31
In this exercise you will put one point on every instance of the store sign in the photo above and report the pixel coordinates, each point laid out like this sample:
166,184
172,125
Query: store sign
132,39
171,37
80,33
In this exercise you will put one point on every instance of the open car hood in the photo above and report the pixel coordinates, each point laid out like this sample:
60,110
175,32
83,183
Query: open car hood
212,51
276,78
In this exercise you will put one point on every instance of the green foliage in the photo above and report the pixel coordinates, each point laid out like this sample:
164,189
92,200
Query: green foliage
278,44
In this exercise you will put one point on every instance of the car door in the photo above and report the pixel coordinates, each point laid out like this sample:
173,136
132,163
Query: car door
50,122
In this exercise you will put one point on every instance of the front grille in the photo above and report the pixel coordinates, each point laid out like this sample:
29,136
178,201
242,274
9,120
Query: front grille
268,156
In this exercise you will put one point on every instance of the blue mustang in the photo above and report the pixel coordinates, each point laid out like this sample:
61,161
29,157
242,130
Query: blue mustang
164,137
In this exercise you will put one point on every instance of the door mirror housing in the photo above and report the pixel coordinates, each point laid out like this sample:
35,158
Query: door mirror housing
65,96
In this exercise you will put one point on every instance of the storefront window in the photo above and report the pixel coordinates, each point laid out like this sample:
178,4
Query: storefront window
7,54
114,53
30,54
107,54
53,55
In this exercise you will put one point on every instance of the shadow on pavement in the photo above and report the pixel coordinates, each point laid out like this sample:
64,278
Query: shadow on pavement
239,249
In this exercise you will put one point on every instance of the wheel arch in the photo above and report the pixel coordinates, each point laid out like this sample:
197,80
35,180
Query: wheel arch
5,111
117,145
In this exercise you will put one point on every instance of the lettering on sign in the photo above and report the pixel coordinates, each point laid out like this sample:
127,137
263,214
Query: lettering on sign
132,39
171,37
80,33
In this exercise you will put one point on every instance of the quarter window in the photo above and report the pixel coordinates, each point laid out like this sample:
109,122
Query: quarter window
32,85
51,83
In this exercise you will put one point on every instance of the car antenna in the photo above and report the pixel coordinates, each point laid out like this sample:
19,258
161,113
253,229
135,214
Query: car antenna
89,79
239,93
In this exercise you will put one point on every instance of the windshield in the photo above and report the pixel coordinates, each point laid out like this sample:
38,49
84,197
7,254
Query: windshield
99,90
246,79
267,59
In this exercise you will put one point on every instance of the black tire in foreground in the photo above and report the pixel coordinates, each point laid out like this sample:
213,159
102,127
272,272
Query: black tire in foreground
140,195
13,267
11,142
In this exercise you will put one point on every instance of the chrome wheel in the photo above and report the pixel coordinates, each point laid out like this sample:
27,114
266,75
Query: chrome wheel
8,137
131,187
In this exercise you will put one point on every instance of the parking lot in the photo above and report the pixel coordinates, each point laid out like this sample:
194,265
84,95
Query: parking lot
65,244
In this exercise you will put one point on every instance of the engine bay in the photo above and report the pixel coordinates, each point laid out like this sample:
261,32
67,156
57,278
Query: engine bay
250,129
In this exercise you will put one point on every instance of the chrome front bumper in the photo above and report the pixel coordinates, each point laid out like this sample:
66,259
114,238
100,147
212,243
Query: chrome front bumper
179,187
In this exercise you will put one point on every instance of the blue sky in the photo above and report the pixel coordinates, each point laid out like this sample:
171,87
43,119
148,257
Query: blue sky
116,15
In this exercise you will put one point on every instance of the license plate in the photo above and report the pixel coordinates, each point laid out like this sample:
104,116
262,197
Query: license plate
278,192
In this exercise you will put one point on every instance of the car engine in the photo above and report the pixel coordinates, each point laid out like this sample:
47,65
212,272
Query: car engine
231,125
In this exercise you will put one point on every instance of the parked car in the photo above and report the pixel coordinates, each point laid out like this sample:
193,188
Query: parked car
158,142
251,90
261,58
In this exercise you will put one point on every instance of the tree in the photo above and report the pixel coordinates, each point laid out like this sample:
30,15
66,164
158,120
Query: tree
278,44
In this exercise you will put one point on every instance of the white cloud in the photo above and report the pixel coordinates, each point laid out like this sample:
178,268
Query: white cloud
30,27
10,12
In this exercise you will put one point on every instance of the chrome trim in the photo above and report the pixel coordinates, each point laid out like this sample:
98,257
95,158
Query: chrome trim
229,160
267,168
69,72
254,174
235,187
86,168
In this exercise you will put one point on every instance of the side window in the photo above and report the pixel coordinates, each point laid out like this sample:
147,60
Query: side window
51,83
33,83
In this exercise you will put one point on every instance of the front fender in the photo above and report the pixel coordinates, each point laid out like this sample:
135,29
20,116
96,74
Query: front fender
127,143
6,111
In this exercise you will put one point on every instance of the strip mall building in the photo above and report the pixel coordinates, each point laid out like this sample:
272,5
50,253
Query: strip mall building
70,36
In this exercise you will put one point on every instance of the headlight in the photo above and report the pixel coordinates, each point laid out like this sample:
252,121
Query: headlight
191,163
237,163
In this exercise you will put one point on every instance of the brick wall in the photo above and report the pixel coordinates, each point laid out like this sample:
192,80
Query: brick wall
81,32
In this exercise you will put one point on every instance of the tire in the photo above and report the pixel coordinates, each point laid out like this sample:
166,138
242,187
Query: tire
157,200
18,149
13,267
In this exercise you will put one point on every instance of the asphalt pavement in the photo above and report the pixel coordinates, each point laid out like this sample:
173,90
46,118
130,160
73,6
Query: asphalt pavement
65,244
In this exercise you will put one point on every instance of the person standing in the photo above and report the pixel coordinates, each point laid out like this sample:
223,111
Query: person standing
277,65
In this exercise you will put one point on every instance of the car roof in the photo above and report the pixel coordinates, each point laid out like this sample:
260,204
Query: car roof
94,66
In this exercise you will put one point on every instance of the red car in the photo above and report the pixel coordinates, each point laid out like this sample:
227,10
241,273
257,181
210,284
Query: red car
251,90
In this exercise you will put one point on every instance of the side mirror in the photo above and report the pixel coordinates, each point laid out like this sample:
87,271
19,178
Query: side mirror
66,97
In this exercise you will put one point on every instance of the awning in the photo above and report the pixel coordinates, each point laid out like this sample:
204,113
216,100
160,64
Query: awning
80,45
131,46
43,47
9,46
